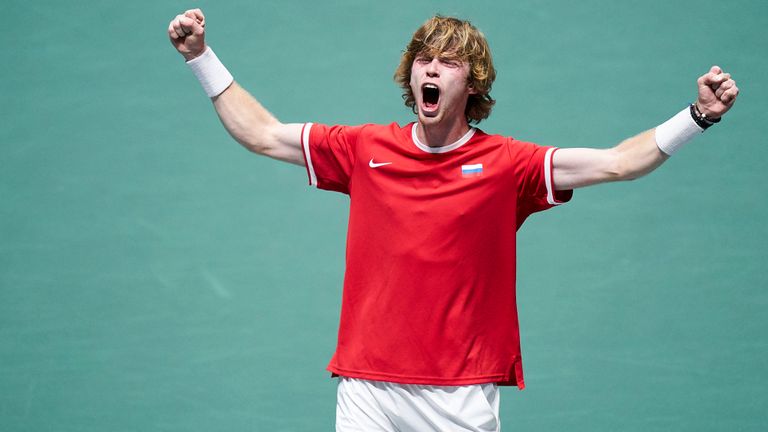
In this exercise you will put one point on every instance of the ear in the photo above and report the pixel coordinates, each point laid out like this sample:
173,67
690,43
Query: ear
471,89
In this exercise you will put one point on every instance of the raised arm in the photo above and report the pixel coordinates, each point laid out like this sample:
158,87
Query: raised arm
641,154
246,120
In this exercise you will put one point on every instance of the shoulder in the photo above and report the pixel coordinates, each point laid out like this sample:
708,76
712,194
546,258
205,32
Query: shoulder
482,140
379,129
523,152
390,132
493,139
517,147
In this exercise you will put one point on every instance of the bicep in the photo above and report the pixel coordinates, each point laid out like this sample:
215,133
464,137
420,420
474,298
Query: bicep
248,122
579,167
284,143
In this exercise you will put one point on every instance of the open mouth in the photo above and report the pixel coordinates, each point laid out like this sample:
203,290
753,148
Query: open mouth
430,95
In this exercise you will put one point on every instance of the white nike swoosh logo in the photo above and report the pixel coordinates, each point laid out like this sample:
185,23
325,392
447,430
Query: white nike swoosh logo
373,164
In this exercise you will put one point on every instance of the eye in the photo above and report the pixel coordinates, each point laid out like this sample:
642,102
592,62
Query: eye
423,60
451,63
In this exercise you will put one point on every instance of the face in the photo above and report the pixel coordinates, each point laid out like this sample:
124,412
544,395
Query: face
440,88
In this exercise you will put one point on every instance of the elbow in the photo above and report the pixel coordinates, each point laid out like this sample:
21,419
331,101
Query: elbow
625,174
260,141
251,144
621,169
628,171
616,168
258,147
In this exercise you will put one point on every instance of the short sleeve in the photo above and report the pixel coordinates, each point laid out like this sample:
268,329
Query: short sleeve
536,191
329,155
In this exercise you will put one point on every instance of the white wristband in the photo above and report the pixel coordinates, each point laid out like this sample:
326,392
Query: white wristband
212,74
674,133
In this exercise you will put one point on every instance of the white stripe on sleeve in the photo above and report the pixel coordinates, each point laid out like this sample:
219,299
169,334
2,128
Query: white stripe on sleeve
548,177
307,155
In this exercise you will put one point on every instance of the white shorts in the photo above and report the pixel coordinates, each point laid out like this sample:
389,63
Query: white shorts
383,406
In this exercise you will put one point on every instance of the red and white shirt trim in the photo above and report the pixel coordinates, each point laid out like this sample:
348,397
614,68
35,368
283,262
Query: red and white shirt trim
307,155
548,168
444,149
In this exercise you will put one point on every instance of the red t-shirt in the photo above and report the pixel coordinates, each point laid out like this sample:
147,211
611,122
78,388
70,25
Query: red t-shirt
429,288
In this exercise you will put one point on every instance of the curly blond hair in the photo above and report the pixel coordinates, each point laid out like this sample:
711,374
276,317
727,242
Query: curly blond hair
455,39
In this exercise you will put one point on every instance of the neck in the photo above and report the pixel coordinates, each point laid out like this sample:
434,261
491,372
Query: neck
441,133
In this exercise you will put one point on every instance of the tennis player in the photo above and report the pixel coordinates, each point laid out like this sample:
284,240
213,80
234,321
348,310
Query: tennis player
429,326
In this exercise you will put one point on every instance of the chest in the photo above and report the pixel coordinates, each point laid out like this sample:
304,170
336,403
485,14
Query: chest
397,179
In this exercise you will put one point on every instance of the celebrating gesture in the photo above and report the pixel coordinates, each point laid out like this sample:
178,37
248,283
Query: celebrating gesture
429,327
187,33
717,93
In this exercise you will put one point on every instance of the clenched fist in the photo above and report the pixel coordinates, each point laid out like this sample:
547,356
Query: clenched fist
187,33
717,92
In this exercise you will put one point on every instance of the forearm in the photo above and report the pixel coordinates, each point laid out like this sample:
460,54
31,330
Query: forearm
637,156
643,153
630,159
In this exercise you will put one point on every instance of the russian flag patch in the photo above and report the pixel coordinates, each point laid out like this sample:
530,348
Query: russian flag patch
473,170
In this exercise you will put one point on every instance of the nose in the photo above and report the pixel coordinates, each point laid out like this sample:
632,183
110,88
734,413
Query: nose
433,68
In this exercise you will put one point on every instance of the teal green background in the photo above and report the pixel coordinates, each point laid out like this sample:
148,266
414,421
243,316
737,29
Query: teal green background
155,276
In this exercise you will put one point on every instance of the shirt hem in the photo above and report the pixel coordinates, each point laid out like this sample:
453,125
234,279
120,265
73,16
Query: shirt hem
500,379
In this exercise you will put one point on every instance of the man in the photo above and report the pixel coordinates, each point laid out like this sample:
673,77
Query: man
429,323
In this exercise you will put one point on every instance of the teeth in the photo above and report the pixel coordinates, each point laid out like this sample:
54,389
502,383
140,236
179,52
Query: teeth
432,86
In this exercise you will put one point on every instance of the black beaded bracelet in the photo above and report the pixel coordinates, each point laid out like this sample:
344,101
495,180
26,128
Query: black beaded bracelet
701,119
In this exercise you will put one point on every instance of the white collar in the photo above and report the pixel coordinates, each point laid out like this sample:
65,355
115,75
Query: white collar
460,142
